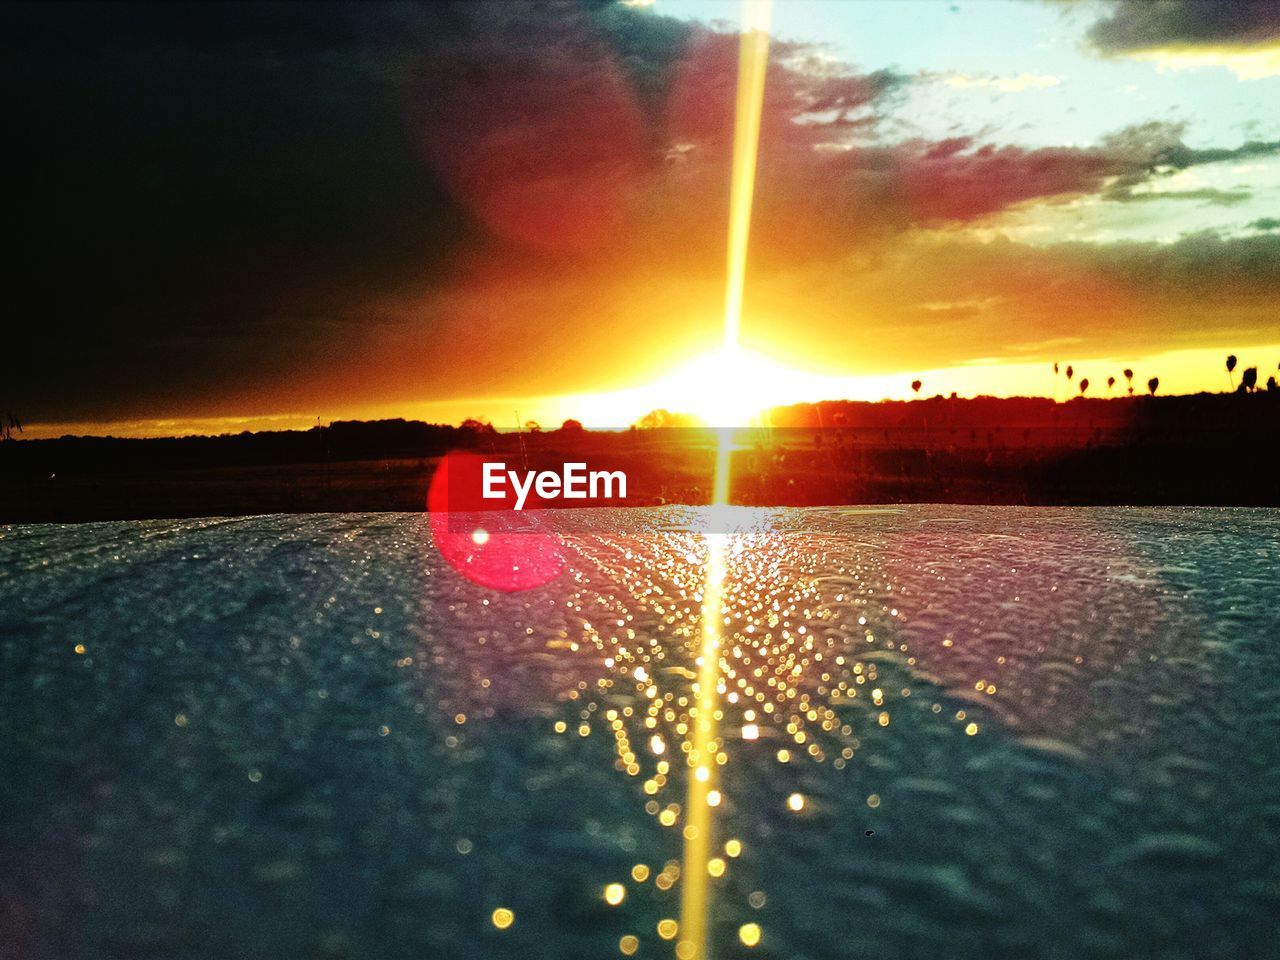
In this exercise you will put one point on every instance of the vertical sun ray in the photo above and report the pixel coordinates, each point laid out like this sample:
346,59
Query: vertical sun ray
753,53
753,58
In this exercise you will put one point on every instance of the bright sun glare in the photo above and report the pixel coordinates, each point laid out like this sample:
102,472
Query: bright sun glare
729,387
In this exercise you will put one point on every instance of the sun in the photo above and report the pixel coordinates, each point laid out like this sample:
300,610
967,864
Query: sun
730,387
727,387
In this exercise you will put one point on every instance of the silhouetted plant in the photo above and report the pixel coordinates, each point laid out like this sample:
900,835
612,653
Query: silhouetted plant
1128,376
1070,373
1271,385
1153,385
1084,385
1249,379
1231,365
1111,382
916,385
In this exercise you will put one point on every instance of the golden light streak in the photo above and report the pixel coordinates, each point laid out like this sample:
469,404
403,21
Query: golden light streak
753,53
720,485
698,828
753,57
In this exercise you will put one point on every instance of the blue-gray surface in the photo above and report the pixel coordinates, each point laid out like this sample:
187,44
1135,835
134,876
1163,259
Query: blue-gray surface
1016,733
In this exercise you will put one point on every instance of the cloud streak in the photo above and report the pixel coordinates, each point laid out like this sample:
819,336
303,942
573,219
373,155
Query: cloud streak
1009,84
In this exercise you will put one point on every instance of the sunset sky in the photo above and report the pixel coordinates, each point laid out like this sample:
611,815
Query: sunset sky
255,215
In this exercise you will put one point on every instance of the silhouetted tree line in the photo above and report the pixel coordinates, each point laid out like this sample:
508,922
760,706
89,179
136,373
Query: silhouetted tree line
940,422
341,440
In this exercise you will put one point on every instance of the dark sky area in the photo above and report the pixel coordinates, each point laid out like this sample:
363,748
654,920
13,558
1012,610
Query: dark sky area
202,191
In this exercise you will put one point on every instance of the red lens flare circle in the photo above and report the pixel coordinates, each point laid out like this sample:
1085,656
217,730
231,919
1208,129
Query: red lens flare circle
477,540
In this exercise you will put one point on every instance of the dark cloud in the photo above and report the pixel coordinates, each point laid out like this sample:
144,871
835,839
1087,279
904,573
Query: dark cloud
200,191
1205,195
961,180
1265,223
1179,156
1204,266
1135,25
